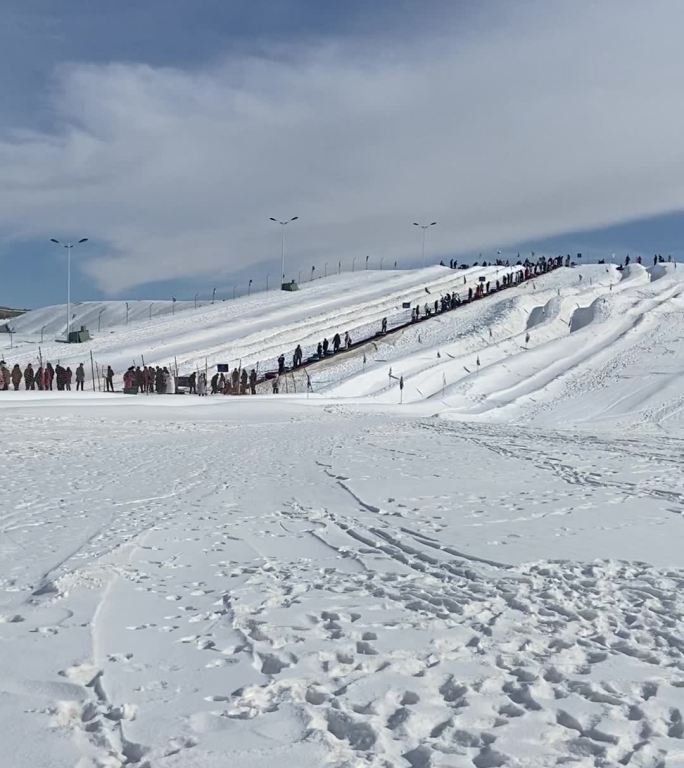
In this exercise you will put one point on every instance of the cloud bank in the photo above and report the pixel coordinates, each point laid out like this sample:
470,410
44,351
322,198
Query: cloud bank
550,118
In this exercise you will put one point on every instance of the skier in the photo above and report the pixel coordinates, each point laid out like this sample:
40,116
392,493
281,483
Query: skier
80,377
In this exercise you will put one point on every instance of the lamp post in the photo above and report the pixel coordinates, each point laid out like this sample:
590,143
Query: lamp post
213,296
382,258
151,305
339,266
424,227
196,300
249,287
68,245
325,269
127,313
283,224
367,257
42,331
353,263
267,283
99,319
313,269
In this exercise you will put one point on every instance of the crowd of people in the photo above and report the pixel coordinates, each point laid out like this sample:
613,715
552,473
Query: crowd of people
44,377
240,381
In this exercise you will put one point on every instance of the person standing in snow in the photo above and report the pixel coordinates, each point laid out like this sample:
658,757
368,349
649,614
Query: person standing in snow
252,381
17,376
170,383
347,340
281,364
49,376
109,379
235,378
80,377
202,384
243,382
67,379
29,382
336,343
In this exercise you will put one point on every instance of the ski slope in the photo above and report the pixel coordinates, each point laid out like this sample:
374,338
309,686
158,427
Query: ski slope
489,573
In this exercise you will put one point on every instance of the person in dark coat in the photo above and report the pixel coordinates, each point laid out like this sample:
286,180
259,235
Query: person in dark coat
235,379
252,381
281,364
336,343
16,377
243,382
214,383
49,376
326,344
29,379
109,379
80,377
68,375
192,383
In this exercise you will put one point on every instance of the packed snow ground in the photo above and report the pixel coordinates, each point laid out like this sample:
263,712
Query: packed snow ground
490,574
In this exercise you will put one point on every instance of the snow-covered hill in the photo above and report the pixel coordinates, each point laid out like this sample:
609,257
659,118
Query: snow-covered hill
487,574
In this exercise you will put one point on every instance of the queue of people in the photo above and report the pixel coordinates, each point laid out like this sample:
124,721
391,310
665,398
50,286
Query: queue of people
43,378
240,381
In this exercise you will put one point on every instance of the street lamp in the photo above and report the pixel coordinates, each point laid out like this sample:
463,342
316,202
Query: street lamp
213,296
382,258
68,245
42,331
313,269
339,266
99,319
353,263
151,305
325,269
126,313
196,295
283,224
424,227
367,262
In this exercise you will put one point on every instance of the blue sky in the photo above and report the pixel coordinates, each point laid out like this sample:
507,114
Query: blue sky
169,131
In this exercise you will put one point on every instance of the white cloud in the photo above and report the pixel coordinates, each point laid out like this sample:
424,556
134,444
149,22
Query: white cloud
557,117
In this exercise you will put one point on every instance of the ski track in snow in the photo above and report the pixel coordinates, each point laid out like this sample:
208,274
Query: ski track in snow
341,581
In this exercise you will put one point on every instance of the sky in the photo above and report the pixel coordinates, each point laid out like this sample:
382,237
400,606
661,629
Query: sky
169,132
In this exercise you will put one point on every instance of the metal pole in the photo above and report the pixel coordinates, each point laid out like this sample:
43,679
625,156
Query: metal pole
424,229
282,250
68,247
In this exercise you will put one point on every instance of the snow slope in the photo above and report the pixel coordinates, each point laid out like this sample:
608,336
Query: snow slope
488,574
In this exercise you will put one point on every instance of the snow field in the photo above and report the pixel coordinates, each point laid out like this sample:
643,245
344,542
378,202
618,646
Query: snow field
489,574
